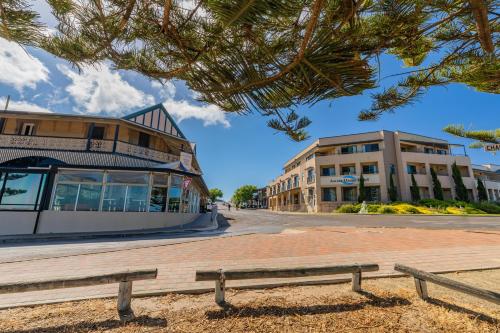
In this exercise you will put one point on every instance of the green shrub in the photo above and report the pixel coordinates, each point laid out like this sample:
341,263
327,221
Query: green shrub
472,210
385,209
348,208
434,203
373,208
487,207
411,210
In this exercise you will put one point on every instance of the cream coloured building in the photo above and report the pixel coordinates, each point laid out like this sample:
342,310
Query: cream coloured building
326,174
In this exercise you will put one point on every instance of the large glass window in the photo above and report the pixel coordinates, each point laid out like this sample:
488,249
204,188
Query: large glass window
136,199
126,191
79,190
412,169
21,190
114,198
329,194
328,171
158,201
372,193
174,194
349,194
370,169
371,147
348,170
348,150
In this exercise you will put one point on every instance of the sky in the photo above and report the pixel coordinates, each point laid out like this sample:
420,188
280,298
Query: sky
233,150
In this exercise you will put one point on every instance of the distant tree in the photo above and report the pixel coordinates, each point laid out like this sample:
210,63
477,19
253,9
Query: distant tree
436,186
362,189
393,191
481,191
415,193
215,194
243,194
460,190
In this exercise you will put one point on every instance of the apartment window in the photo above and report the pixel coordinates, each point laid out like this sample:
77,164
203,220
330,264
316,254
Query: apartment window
411,169
370,169
348,150
328,171
144,140
349,194
27,129
296,181
289,184
310,196
310,175
428,150
329,194
309,157
442,152
348,170
97,133
371,147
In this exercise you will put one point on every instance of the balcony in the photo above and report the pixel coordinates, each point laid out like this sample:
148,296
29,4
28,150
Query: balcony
80,145
311,179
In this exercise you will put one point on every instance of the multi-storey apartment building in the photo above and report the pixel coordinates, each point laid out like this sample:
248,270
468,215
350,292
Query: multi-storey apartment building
326,174
490,175
73,173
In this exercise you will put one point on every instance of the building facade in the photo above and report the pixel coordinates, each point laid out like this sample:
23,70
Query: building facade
326,174
63,173
490,176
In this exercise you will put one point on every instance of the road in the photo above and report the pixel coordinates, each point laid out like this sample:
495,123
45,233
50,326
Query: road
243,222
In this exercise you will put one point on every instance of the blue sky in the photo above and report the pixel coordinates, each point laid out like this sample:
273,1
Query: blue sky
232,150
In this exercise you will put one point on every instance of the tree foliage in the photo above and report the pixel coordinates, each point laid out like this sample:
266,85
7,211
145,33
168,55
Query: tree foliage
481,137
269,56
362,189
393,191
215,193
460,189
414,190
436,186
481,191
243,194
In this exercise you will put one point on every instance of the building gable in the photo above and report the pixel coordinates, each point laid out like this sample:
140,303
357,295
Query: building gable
157,118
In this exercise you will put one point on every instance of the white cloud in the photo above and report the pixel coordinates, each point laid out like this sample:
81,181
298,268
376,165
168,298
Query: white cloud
98,89
166,89
18,68
22,106
209,114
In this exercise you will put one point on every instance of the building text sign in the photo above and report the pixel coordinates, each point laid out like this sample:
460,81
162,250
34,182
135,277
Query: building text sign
492,147
348,180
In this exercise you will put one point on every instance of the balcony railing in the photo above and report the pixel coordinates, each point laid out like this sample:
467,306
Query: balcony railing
80,145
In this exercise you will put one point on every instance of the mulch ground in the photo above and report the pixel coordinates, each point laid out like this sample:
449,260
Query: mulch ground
386,305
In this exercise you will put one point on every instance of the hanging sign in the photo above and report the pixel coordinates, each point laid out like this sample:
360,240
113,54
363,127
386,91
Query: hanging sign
186,182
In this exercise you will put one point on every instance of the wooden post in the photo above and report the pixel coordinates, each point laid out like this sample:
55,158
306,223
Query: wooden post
356,281
220,289
421,287
124,300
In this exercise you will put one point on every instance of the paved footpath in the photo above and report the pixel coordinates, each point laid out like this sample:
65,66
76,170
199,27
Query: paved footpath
433,250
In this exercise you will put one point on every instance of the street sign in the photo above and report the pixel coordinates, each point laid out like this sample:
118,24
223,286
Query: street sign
492,147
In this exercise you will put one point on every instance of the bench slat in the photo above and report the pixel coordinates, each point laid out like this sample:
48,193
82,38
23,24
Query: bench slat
262,273
451,284
78,281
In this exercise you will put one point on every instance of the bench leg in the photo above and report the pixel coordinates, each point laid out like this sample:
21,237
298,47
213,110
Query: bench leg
356,281
220,290
421,286
124,300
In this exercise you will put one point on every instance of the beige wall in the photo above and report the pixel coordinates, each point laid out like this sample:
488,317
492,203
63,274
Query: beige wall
16,223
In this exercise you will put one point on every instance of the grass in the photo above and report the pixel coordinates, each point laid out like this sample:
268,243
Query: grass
386,305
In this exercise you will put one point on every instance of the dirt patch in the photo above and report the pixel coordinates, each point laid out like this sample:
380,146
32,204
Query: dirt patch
386,305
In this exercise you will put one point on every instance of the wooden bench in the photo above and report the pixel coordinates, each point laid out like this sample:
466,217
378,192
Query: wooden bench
220,276
124,291
421,278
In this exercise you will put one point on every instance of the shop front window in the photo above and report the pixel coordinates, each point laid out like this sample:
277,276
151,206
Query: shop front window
349,194
174,194
21,190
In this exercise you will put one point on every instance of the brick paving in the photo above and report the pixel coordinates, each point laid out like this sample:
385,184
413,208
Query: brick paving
433,250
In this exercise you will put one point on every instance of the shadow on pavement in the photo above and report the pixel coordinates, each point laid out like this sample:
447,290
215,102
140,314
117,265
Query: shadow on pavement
459,309
144,321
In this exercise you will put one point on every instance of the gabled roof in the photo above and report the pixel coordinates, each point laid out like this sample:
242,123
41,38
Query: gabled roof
157,118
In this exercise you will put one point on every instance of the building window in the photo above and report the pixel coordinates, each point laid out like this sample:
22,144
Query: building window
97,133
328,171
348,150
329,194
21,191
2,122
289,183
310,175
348,170
349,194
411,169
126,191
372,193
370,147
78,190
442,152
309,157
175,194
296,181
428,150
144,140
158,200
310,196
370,169
27,129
